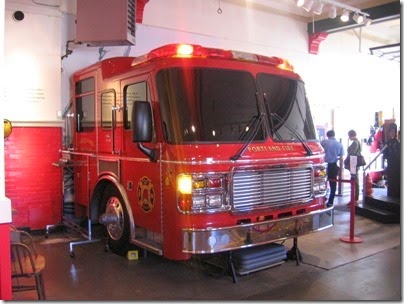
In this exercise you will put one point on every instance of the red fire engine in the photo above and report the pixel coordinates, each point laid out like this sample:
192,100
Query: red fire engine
194,150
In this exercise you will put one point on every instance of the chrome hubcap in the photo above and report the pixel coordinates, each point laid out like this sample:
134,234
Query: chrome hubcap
115,213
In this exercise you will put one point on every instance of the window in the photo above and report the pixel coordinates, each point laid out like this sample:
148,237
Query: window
134,92
208,105
108,102
288,108
85,98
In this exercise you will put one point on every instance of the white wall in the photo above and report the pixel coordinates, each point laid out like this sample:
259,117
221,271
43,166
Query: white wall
2,189
5,203
32,63
340,78
355,84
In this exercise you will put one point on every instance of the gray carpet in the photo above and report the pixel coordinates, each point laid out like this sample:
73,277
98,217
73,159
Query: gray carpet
326,250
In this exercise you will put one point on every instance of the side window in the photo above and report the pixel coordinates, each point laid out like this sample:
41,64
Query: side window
85,98
133,92
108,101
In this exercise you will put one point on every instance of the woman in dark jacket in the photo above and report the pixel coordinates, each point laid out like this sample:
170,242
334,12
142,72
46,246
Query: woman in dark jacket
392,154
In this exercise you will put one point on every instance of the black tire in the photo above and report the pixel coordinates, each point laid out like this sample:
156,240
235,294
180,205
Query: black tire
119,231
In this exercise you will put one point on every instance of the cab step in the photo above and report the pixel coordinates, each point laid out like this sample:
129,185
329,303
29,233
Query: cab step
148,245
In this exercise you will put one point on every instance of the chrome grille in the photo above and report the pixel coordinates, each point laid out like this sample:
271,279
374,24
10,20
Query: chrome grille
271,188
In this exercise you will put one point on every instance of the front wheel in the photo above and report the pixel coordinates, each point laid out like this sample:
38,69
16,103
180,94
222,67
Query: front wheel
116,221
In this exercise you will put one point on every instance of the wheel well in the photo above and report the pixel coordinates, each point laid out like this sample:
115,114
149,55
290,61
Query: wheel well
96,200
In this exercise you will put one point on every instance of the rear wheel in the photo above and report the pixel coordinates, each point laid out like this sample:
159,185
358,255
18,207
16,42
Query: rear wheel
117,226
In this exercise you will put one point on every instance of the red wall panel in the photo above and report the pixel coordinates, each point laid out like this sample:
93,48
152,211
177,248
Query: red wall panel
33,184
5,266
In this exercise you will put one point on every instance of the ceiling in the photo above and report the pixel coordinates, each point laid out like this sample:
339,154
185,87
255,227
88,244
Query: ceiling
384,29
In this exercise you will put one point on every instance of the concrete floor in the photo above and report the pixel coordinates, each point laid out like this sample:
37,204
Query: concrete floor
330,270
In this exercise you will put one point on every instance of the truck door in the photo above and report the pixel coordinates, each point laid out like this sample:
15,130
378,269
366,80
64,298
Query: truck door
140,176
84,116
84,144
110,134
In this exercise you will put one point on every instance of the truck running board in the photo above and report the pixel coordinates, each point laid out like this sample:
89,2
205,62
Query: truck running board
148,245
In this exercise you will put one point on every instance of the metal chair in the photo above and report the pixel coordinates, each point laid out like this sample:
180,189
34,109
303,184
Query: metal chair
26,264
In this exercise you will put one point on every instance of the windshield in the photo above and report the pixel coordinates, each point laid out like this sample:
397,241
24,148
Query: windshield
289,111
217,105
208,105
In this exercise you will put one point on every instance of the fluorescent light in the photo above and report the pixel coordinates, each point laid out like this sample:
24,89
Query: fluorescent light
345,16
299,3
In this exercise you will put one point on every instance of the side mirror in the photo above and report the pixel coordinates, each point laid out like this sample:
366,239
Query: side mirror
141,122
142,127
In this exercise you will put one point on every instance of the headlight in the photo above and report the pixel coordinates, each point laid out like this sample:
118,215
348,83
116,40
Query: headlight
184,184
199,193
320,181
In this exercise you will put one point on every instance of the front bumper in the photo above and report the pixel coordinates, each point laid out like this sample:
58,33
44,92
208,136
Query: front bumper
211,240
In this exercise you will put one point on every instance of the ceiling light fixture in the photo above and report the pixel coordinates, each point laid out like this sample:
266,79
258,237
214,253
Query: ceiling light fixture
367,21
318,8
358,18
333,12
345,16
317,5
307,6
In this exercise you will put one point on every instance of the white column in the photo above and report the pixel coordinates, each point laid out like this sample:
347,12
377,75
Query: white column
5,203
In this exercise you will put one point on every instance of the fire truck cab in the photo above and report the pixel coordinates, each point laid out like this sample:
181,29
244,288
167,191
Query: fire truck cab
195,150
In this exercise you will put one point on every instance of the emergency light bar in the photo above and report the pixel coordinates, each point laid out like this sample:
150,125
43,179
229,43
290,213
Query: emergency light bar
197,51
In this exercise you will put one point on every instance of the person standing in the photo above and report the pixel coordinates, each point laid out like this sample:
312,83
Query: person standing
393,156
354,149
334,152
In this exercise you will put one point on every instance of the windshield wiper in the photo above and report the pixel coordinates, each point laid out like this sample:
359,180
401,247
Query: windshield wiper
306,147
250,135
271,122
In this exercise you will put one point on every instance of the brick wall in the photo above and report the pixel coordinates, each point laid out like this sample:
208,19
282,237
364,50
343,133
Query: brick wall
32,183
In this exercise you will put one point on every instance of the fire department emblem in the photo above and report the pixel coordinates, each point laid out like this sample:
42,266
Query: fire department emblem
145,194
